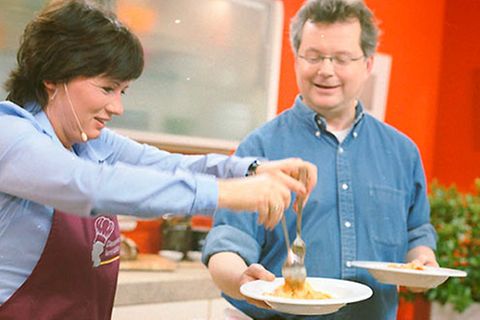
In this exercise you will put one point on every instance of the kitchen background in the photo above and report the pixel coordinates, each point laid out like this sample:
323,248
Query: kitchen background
216,69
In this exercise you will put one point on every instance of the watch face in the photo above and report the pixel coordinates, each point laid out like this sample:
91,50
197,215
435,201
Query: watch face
252,169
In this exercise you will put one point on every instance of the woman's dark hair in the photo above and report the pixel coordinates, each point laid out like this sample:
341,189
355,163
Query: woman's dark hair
69,39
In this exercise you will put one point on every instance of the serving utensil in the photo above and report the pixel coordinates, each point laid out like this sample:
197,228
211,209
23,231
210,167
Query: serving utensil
293,269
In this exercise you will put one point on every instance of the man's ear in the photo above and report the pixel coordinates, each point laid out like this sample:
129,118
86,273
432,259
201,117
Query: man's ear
370,64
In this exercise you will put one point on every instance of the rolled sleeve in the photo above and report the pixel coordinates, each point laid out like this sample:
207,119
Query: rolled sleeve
225,238
420,230
423,235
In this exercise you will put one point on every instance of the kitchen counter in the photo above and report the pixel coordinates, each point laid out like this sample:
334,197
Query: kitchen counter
190,281
188,293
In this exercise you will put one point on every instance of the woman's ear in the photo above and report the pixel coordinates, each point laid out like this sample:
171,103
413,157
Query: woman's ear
51,88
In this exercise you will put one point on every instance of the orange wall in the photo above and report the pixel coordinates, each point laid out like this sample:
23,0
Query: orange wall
288,86
457,153
412,35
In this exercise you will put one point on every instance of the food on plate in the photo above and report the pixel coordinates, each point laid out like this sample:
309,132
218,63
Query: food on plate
128,249
304,292
410,266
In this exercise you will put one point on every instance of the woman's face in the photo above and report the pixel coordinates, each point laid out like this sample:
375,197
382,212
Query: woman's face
93,101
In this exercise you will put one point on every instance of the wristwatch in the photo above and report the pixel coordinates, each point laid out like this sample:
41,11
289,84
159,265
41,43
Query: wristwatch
252,168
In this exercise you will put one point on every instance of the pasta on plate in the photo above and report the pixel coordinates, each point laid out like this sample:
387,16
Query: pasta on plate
409,266
304,292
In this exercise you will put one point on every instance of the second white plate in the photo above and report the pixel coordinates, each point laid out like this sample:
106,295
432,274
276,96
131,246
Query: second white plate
430,277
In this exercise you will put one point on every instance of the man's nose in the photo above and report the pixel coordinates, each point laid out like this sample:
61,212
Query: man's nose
326,66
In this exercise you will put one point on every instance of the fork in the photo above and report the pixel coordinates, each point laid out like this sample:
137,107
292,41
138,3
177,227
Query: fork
293,270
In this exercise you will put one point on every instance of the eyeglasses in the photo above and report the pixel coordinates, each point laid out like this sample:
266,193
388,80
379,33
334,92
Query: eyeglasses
338,60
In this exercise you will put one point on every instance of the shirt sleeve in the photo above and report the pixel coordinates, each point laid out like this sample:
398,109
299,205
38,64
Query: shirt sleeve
420,230
132,152
34,168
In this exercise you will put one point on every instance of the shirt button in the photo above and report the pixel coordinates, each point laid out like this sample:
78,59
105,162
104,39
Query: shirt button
348,224
344,186
317,133
355,134
348,264
340,150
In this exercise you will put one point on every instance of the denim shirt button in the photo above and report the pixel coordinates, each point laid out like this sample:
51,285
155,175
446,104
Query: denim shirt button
340,150
344,186
348,264
317,133
355,134
347,224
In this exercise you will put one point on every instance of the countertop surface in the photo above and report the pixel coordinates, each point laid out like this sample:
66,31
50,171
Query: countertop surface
189,281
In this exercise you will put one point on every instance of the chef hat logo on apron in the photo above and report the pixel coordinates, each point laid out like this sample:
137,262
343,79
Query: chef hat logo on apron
104,250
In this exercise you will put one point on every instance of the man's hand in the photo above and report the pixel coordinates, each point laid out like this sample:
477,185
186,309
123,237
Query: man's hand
256,272
423,256
229,272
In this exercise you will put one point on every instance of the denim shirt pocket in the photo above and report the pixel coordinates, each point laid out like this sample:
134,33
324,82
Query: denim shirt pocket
387,214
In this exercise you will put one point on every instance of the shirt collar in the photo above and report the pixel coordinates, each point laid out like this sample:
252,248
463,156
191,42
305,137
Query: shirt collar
43,121
315,119
92,148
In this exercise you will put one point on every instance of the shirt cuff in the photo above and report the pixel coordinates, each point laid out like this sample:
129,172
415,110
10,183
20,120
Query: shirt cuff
206,195
241,166
225,238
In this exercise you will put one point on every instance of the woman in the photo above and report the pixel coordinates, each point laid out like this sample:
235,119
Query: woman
64,176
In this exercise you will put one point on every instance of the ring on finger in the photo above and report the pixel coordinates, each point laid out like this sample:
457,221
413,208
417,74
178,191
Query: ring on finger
275,208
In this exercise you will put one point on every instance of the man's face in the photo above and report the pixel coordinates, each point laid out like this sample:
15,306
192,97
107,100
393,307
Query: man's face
331,87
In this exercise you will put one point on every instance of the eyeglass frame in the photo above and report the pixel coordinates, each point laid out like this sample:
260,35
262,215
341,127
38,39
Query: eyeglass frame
333,59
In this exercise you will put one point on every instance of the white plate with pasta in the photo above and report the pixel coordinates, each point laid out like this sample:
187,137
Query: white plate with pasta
337,294
408,274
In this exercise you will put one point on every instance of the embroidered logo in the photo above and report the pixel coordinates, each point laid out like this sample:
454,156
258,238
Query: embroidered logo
104,250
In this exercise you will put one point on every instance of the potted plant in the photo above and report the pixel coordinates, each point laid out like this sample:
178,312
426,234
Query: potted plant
456,217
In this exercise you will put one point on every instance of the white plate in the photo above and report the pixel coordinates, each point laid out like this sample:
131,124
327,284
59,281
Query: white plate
342,291
430,277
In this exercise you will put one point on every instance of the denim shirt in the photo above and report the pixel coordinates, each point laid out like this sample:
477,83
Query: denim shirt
370,203
110,174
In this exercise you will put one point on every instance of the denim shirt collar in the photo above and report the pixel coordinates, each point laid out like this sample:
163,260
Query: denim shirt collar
316,120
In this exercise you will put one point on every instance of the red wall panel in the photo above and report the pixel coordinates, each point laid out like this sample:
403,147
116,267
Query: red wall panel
457,153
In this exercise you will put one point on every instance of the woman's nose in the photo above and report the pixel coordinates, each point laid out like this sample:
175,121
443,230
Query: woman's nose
115,106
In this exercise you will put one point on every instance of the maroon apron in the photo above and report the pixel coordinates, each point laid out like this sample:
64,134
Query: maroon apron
76,275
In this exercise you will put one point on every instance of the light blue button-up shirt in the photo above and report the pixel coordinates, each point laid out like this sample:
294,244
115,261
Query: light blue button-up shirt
111,174
370,203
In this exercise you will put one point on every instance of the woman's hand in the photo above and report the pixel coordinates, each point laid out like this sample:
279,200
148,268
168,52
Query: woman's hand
269,191
292,167
268,194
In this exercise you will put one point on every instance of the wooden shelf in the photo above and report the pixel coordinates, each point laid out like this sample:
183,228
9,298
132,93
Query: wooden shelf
181,144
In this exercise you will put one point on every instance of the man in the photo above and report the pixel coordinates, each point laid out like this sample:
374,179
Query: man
370,202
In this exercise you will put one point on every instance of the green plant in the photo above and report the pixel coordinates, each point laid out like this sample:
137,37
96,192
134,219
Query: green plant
456,217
